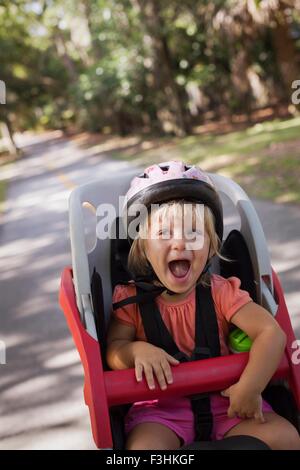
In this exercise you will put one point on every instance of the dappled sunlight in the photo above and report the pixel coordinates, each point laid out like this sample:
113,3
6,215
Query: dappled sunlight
44,199
64,359
51,286
18,251
264,158
36,385
286,124
292,300
64,157
56,426
32,306
219,89
273,126
214,164
39,372
27,138
116,143
25,247
50,414
286,264
86,174
43,379
290,261
15,338
47,263
288,197
9,272
30,258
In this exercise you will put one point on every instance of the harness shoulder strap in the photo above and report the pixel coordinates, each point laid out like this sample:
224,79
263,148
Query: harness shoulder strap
207,342
155,329
145,293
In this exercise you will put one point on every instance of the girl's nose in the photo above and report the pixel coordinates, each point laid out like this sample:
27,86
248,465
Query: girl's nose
178,243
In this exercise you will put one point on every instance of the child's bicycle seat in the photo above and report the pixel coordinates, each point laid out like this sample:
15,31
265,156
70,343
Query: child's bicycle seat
86,298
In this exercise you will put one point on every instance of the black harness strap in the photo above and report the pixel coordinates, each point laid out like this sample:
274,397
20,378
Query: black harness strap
207,345
207,342
206,328
143,296
155,328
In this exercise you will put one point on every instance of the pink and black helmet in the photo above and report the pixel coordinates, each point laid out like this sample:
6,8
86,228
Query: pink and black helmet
174,180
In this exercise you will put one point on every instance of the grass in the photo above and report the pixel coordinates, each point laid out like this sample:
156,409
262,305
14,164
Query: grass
264,158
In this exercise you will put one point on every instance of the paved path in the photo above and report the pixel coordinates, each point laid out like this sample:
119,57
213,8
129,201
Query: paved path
42,403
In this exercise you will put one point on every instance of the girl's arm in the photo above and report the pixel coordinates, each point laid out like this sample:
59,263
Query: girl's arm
269,342
124,352
268,346
120,338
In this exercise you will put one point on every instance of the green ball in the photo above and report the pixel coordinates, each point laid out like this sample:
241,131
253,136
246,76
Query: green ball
239,341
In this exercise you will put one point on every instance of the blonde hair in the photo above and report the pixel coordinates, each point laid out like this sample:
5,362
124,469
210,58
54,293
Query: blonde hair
138,263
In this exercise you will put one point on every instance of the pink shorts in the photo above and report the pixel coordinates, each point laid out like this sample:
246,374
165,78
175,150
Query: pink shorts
177,414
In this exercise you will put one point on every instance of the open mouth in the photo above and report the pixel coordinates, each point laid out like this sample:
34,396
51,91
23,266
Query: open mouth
179,268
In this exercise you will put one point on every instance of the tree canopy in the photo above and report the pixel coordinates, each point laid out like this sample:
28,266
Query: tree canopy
144,65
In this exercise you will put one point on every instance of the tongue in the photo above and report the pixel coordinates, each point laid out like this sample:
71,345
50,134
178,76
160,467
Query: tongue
179,268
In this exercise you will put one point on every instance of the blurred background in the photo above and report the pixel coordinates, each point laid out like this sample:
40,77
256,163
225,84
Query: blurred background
94,86
137,65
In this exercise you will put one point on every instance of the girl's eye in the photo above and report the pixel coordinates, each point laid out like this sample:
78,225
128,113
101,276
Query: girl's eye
162,233
196,232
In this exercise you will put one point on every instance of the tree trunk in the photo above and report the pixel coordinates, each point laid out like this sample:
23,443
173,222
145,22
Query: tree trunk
62,52
96,47
240,80
285,50
171,110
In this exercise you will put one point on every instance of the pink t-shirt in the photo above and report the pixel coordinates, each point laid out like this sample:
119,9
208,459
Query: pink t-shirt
179,317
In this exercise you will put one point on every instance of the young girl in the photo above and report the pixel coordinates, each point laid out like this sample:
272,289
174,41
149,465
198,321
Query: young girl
174,245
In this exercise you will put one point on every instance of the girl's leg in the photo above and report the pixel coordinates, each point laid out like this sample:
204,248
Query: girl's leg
152,436
276,432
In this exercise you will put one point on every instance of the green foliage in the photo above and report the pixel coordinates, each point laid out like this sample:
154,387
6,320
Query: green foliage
93,64
263,158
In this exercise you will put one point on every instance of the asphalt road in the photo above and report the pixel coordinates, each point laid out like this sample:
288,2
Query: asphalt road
42,404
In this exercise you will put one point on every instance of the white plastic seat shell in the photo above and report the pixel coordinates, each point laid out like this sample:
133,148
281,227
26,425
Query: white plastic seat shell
108,190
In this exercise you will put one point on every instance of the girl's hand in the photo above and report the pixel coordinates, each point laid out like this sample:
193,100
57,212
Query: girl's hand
244,403
153,361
